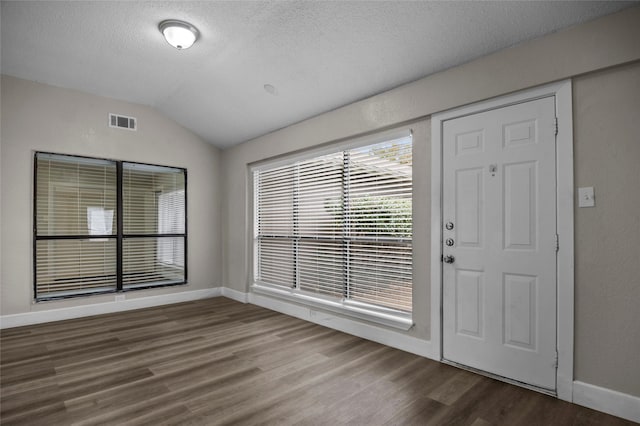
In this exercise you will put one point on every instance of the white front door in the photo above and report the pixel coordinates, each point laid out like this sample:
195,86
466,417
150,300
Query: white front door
499,242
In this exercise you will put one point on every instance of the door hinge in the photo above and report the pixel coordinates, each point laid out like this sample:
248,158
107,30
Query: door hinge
557,242
555,360
556,126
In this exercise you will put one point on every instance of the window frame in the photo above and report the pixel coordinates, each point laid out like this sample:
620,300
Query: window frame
119,234
377,314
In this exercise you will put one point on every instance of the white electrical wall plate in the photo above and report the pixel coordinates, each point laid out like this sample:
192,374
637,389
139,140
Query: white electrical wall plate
586,197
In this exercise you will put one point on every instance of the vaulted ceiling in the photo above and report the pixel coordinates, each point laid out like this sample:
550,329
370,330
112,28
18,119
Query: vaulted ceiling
317,55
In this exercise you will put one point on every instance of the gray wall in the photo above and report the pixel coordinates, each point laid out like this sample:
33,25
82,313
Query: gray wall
46,118
607,330
607,237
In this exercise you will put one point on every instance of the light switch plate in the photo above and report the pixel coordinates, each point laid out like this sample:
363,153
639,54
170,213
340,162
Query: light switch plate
586,197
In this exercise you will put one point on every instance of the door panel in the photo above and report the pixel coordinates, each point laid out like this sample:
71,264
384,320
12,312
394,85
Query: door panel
469,143
520,322
469,190
469,315
518,134
520,205
499,193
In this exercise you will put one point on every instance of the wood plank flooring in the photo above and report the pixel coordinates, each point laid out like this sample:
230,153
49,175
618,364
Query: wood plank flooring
217,361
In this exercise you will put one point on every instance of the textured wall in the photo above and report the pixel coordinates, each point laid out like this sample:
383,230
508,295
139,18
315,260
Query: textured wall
607,236
46,118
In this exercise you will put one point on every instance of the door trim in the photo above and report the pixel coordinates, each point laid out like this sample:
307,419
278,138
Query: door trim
564,204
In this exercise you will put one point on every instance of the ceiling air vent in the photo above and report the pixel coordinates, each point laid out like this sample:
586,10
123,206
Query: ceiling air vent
122,122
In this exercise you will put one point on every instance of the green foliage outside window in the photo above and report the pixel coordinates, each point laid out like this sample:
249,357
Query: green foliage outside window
376,215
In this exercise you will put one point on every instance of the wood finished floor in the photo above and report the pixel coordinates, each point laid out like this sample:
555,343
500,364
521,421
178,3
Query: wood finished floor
217,361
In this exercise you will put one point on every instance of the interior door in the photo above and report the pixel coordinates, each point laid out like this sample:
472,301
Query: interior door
499,242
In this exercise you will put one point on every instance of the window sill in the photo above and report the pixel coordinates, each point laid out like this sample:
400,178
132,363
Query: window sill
386,317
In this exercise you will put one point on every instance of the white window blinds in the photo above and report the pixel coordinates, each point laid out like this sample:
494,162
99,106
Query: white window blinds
103,225
338,226
154,225
75,247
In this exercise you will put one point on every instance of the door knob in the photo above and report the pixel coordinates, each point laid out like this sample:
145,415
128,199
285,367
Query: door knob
448,259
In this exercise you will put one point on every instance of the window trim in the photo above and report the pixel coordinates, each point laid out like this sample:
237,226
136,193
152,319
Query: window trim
351,308
376,314
119,236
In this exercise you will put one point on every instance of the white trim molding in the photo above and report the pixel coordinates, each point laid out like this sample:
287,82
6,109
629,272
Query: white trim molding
236,295
564,169
607,400
389,319
38,317
565,217
380,335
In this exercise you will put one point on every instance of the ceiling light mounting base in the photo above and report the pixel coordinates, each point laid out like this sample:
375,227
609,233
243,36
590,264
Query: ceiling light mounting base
179,34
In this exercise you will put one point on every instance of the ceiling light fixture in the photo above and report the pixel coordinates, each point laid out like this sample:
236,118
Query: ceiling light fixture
179,34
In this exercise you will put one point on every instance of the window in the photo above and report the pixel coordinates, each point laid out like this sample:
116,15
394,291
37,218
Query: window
337,228
154,225
104,226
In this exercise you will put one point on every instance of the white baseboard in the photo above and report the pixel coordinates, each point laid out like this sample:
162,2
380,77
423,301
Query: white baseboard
38,317
381,335
236,295
607,400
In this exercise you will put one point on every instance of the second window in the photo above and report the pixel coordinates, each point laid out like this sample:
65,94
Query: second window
339,226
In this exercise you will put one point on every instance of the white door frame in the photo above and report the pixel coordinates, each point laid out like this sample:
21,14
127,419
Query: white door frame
564,169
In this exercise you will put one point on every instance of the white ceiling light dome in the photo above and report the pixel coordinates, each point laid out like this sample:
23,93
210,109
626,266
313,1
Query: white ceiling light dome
179,34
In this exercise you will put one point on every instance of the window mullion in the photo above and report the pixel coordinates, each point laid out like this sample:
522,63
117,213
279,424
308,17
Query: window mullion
119,225
296,228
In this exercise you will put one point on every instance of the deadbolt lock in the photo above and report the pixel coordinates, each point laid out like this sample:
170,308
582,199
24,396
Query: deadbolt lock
449,242
449,226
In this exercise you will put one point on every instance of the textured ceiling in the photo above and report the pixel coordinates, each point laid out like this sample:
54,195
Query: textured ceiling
318,55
